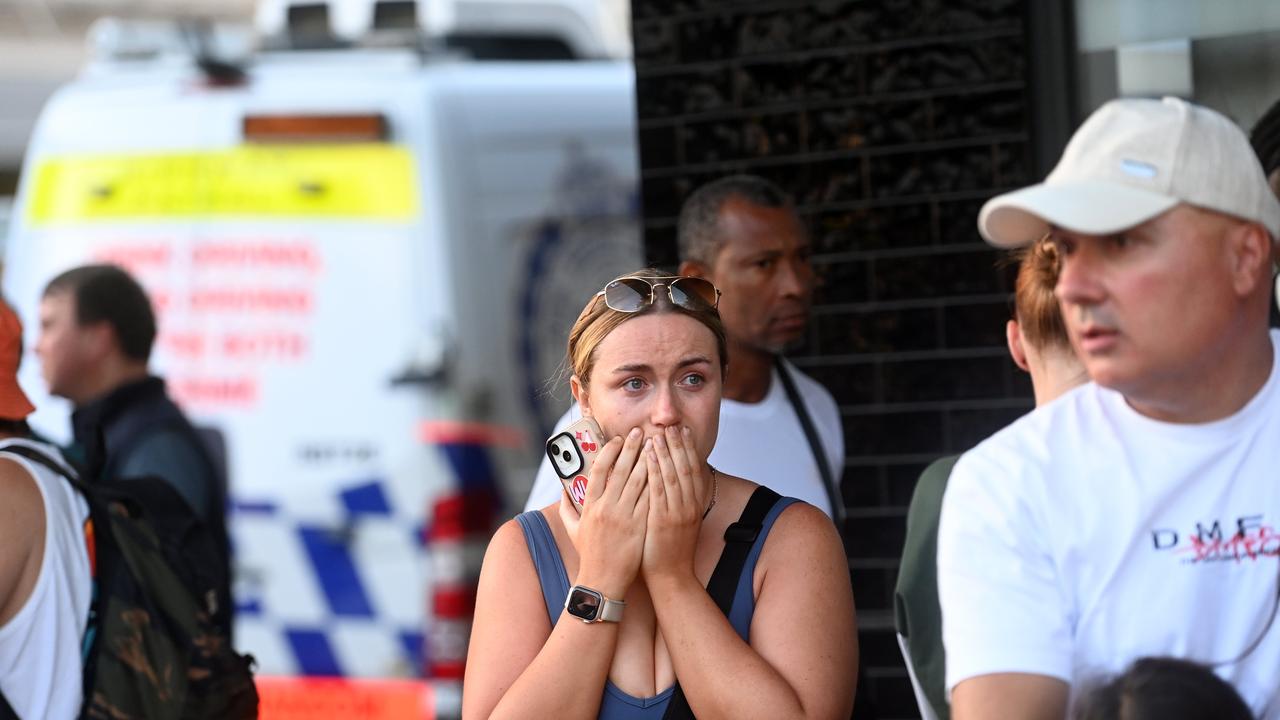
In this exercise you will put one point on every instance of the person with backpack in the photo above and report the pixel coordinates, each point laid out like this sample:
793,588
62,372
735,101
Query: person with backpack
97,329
45,564
109,592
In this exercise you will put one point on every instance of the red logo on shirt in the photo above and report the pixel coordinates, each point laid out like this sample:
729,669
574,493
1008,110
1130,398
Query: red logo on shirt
1215,542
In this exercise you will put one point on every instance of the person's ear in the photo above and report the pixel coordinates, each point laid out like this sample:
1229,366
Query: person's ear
99,339
1250,253
1013,336
580,395
694,268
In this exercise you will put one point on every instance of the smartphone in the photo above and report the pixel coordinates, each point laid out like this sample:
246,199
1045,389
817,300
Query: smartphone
572,452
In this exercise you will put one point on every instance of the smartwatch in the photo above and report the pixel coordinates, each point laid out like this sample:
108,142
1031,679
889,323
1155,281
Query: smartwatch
590,606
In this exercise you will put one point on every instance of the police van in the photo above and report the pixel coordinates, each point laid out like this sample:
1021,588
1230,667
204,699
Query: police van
365,232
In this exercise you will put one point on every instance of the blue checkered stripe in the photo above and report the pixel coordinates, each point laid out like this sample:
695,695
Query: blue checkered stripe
340,598
348,597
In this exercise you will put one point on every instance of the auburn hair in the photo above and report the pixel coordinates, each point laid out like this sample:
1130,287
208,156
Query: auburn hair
1034,304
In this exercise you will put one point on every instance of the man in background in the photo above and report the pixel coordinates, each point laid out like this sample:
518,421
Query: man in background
97,329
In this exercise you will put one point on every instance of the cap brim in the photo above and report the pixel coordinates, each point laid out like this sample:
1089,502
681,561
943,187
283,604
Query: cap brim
14,404
1090,208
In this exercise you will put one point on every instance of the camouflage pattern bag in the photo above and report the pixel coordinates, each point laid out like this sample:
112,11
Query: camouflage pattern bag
158,645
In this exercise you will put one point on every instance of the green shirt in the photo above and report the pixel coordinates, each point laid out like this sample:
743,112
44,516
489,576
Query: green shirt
915,602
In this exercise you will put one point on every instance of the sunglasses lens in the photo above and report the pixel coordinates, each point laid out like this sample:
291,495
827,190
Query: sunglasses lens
693,292
626,294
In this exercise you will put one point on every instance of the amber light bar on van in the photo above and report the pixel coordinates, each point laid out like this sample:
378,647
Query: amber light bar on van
315,128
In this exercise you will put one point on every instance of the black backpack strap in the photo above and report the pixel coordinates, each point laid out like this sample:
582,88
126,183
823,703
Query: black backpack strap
829,481
44,460
738,539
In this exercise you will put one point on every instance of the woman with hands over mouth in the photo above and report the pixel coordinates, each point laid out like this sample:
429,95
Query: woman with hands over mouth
609,614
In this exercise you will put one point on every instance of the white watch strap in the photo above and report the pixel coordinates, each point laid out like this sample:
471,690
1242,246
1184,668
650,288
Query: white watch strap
611,610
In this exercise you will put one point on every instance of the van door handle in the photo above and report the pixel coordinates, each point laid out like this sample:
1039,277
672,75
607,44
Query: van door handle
419,376
429,363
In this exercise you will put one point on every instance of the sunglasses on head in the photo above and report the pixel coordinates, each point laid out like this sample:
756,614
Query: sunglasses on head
636,292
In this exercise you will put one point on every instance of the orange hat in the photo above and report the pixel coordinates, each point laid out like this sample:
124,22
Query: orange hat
14,404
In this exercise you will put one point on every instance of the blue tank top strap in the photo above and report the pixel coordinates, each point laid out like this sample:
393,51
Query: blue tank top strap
744,598
546,560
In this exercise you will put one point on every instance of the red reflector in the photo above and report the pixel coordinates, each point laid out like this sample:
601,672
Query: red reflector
448,669
463,513
312,128
454,603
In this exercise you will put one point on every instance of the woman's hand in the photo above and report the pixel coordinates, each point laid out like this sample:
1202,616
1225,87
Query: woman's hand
609,536
679,490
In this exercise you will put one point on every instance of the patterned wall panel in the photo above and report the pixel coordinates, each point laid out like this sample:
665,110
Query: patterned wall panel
890,121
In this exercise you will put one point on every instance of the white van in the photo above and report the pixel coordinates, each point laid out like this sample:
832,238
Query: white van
364,262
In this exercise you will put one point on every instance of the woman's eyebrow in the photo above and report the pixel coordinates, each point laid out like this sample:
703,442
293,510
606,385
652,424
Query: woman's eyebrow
694,360
642,367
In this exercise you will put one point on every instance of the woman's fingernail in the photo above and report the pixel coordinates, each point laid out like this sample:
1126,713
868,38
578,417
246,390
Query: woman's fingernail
648,443
659,441
635,433
687,432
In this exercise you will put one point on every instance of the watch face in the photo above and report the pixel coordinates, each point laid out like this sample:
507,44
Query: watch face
584,604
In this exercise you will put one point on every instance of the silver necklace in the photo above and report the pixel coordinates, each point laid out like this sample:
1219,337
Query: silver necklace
715,491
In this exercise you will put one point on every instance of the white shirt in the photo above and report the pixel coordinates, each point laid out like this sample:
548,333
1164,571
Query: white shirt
762,442
40,667
1086,535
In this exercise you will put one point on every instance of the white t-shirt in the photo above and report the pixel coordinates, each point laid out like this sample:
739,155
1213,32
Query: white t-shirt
1086,535
40,667
762,442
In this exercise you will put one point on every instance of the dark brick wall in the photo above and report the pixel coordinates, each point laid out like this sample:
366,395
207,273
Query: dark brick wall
890,121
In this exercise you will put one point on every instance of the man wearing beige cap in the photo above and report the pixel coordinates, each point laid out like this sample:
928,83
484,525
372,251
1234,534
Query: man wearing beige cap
1136,515
45,580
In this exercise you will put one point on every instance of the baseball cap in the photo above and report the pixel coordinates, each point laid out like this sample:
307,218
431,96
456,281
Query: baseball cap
14,404
1130,161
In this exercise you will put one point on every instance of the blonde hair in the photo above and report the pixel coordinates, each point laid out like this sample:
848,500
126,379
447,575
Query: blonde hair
597,320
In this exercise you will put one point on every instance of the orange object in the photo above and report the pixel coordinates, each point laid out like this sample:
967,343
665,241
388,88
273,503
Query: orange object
91,545
288,698
332,128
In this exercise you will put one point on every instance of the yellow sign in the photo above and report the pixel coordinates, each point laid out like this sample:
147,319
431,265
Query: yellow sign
360,181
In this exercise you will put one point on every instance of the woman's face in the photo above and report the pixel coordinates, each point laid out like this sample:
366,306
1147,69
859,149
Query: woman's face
653,372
